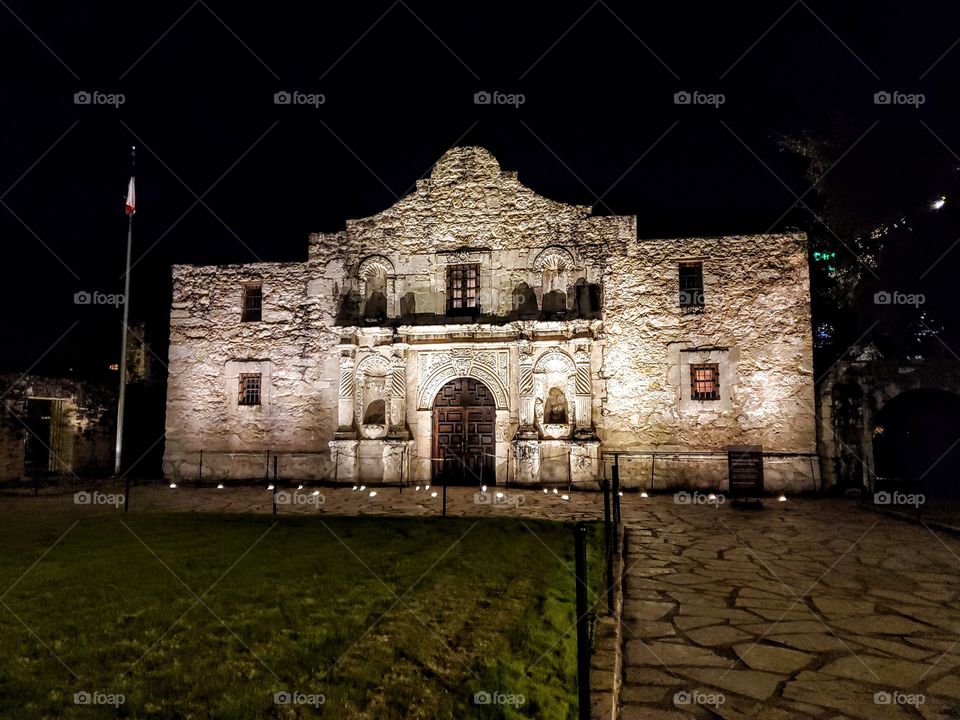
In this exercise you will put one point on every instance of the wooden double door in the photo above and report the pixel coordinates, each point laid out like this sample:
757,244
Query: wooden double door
464,417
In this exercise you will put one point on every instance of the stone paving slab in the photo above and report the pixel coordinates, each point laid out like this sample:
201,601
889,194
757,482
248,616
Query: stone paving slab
805,609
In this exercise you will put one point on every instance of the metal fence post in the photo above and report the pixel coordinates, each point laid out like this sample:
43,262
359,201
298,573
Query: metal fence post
616,502
609,541
583,629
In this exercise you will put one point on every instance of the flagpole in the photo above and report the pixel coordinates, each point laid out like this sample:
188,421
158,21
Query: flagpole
121,404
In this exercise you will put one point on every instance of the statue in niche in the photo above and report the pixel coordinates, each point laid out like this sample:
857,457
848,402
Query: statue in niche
555,409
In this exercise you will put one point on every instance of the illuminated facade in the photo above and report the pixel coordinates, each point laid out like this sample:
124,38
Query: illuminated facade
479,330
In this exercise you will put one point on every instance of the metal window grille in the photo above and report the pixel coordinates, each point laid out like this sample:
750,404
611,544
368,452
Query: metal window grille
705,381
463,289
252,303
691,285
249,389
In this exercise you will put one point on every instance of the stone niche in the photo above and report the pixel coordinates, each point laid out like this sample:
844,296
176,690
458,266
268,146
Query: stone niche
556,442
372,442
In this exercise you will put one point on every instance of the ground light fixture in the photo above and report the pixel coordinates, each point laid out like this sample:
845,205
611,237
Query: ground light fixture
373,493
219,486
299,487
173,485
564,497
270,487
483,488
782,498
643,493
433,494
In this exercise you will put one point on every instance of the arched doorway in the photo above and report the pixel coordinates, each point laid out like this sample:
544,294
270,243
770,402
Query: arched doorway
464,417
915,443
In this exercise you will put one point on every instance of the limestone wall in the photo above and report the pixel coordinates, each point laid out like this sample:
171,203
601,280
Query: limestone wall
755,323
755,326
81,443
210,347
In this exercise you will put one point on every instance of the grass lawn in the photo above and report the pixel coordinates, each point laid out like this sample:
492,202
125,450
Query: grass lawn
384,617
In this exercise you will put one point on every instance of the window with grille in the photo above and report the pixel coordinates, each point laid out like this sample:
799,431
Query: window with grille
705,381
249,389
691,285
252,303
463,289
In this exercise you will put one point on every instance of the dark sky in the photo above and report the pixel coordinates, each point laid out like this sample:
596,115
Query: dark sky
598,121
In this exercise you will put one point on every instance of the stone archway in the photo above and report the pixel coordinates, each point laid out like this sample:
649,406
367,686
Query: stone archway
464,438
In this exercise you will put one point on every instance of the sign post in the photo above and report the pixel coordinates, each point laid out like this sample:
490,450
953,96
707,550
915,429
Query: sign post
745,474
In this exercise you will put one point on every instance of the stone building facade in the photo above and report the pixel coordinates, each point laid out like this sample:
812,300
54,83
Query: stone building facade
55,427
478,330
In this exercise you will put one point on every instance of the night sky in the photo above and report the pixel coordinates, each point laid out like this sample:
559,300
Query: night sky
598,126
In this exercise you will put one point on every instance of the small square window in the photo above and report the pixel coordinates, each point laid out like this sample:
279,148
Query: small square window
463,289
252,303
691,285
249,389
705,381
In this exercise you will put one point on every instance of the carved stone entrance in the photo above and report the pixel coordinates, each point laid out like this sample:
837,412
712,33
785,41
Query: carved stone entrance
464,418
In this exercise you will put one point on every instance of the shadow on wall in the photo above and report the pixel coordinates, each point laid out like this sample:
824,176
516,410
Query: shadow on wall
582,301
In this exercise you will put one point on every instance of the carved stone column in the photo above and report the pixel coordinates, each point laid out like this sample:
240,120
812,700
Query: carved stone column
345,410
398,393
391,291
583,388
526,390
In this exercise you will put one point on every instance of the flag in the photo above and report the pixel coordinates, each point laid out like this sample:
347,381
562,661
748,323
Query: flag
131,198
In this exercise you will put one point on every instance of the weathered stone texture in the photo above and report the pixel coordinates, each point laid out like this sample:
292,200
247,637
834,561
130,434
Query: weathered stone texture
756,309
363,320
77,439
209,347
